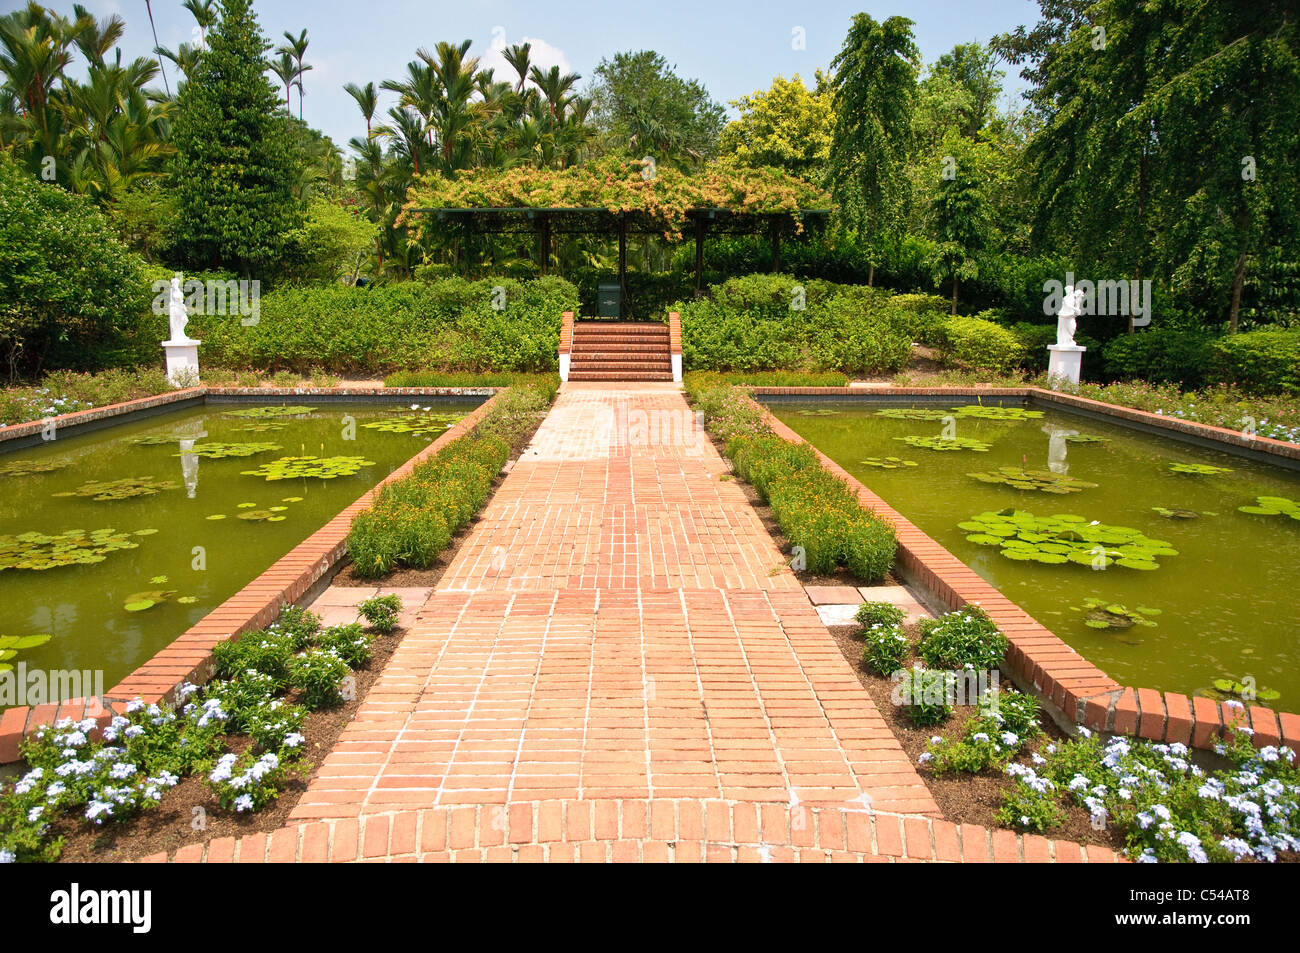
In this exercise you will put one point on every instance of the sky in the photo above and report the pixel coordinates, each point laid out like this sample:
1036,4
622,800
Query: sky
733,47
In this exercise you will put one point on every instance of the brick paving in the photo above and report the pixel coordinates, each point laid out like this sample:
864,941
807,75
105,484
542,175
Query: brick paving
617,666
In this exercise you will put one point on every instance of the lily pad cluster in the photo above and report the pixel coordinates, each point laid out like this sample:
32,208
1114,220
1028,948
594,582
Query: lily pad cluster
1231,688
913,413
939,443
817,412
417,424
1273,506
11,645
1044,481
889,463
219,451
1100,614
30,467
270,514
995,412
264,413
1085,438
158,440
1065,538
1198,469
269,426
124,489
320,468
36,551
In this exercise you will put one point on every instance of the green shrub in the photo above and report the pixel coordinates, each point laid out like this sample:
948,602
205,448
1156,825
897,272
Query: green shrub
879,613
382,612
260,651
1177,355
447,325
349,642
884,648
1259,362
961,639
318,675
71,294
975,342
925,696
769,378
1034,340
762,322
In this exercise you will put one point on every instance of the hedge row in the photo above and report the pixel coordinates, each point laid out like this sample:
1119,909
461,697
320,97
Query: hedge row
816,511
496,324
412,520
761,322
1260,362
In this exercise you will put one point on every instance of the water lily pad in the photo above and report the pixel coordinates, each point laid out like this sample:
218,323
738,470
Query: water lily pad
889,463
39,552
1200,469
18,468
221,451
263,413
913,413
140,601
1085,438
1065,538
246,506
320,468
1273,506
217,516
292,499
1044,481
939,443
996,412
158,580
256,516
187,600
124,489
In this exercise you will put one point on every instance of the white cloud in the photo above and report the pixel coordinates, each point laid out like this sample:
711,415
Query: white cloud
542,55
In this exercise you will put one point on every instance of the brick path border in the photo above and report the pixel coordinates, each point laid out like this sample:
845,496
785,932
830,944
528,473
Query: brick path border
1079,690
189,656
638,831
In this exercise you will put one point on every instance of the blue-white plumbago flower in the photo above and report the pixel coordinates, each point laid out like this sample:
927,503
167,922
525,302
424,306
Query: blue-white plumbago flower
8,857
243,803
293,740
924,758
1009,738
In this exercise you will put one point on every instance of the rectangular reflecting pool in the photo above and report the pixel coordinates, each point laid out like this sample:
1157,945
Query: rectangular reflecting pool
1153,572
114,542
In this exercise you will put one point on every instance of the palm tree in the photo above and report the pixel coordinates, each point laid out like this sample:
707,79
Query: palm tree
367,101
455,111
287,72
296,47
94,39
186,58
518,57
554,89
205,13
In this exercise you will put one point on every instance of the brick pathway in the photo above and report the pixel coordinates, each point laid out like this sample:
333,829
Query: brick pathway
617,666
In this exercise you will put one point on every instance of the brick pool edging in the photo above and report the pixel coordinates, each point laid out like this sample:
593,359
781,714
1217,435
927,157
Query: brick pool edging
1081,691
189,656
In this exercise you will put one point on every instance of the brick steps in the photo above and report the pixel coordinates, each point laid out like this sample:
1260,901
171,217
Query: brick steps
637,831
620,351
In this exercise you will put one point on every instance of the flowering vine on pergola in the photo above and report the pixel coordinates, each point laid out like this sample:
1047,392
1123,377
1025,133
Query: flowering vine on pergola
620,196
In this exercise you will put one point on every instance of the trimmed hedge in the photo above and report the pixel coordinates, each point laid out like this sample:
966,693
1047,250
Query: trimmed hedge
412,520
815,509
444,325
762,322
1173,355
980,344
1260,362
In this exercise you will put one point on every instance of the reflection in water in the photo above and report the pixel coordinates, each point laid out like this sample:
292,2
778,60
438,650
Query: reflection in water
1057,447
190,461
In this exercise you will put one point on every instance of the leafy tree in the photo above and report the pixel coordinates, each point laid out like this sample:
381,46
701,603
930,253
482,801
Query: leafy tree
973,68
786,127
874,90
235,166
66,282
642,106
960,215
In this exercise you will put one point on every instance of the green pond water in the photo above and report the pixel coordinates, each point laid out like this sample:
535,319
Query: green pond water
1227,601
169,561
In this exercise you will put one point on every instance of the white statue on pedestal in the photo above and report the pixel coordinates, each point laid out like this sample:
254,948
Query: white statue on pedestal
1071,308
176,313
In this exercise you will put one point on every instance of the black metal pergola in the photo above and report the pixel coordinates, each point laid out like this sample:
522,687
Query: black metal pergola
545,222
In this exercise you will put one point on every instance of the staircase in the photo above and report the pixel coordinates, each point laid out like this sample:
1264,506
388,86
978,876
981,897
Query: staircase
620,351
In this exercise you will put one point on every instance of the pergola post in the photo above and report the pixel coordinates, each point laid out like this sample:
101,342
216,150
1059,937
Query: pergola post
622,259
546,243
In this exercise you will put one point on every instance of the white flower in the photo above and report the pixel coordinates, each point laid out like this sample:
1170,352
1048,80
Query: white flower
8,857
244,803
925,757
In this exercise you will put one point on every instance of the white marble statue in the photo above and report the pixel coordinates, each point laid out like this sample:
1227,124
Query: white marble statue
176,312
1071,308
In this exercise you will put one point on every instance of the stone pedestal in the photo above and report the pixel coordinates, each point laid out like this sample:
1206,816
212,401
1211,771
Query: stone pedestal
564,367
182,356
677,367
1064,362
